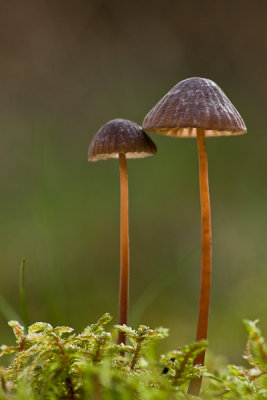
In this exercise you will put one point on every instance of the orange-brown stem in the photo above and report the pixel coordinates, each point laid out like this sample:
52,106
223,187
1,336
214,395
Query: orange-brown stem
204,300
124,250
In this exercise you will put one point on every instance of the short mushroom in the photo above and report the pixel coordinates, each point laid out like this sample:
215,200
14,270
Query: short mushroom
122,139
197,107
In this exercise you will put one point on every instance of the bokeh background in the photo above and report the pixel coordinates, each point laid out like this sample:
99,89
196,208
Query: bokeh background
67,67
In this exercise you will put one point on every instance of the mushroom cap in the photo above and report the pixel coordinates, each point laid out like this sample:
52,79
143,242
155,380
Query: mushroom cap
120,136
195,103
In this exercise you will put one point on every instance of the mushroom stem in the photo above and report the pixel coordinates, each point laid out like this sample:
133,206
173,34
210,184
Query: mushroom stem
124,249
204,300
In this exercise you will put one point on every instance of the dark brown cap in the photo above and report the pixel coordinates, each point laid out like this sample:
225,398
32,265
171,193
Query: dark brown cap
120,136
194,103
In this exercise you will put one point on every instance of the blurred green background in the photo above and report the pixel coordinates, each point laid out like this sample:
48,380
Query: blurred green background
66,68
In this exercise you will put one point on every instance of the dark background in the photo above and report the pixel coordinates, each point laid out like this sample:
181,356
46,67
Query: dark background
67,67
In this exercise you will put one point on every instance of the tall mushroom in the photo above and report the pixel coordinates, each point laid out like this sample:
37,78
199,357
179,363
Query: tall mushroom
122,139
197,107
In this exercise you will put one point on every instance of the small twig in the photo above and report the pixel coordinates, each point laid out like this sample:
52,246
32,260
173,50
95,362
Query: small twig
181,368
136,352
252,362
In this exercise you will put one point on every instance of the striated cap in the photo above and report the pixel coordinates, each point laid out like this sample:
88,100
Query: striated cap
120,136
194,103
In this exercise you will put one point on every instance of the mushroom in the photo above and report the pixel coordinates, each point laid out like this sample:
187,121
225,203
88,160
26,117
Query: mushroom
197,107
122,139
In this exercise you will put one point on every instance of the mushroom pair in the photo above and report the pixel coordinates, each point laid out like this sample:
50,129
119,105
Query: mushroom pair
122,139
195,107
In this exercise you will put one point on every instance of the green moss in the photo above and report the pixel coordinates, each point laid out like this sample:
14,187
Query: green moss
56,363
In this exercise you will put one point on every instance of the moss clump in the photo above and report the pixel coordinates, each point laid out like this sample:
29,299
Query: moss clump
56,363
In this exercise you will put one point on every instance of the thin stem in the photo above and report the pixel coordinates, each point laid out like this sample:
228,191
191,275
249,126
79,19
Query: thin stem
124,252
136,352
97,388
204,300
24,310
